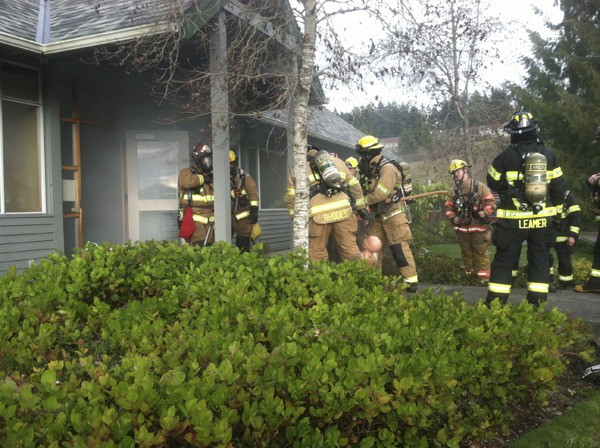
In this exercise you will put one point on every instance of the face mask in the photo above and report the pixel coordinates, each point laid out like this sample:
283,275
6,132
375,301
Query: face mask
205,163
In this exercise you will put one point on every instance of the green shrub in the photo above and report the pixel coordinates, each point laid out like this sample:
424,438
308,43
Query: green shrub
429,222
442,270
158,344
581,270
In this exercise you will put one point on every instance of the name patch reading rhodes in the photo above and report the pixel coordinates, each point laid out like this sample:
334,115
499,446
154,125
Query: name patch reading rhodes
336,216
533,223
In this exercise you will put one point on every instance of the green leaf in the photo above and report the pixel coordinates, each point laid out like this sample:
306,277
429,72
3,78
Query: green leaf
367,442
49,378
50,404
173,377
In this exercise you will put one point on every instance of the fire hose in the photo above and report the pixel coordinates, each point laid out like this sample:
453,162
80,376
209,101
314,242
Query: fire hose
423,195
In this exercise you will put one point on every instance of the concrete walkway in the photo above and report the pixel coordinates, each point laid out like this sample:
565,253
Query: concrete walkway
589,236
575,304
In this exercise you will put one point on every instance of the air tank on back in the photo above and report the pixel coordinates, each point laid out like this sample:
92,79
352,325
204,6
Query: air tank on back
536,180
406,178
329,172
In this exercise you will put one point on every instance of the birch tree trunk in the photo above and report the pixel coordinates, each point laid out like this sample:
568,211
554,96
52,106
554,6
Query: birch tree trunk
300,126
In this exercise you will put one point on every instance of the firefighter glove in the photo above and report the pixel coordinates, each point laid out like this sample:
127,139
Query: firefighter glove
482,214
366,216
314,190
194,169
253,214
593,179
455,220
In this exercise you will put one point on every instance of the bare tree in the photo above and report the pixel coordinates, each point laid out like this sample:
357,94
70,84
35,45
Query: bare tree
269,62
443,46
262,37
339,63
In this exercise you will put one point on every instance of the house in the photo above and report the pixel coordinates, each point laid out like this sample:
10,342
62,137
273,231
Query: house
86,154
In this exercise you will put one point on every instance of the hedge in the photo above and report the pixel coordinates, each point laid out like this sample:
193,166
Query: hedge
159,344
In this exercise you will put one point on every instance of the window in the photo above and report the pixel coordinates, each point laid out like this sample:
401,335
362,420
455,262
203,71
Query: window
21,161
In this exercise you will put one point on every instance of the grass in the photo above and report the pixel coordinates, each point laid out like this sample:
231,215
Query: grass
576,428
452,250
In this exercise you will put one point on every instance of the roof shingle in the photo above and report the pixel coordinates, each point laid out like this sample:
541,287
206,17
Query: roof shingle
72,19
321,123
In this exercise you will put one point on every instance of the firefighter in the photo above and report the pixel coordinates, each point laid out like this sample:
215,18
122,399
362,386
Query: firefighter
330,206
529,180
196,190
382,183
567,233
352,165
593,283
468,210
244,203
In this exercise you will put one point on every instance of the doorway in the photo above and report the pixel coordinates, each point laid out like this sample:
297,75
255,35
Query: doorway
102,186
154,160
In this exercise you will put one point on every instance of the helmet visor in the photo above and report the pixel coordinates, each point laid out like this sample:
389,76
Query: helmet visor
205,162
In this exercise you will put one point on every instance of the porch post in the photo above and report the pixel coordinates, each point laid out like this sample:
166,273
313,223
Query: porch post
220,129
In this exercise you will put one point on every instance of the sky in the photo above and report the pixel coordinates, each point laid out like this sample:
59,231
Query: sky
506,68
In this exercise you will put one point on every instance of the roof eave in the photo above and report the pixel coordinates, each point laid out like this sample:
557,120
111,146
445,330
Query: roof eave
17,42
80,43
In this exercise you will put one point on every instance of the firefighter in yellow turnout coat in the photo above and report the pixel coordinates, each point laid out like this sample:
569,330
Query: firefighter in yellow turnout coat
196,190
383,183
330,209
244,203
468,209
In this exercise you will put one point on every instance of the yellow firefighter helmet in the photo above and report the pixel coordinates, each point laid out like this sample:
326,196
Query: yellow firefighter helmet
369,144
457,164
351,162
256,232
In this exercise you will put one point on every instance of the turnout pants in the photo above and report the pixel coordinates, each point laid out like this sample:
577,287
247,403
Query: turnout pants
344,234
474,249
508,238
594,280
242,230
204,235
396,232
565,267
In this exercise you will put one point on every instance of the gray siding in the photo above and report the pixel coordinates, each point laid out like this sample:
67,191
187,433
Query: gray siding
25,239
277,230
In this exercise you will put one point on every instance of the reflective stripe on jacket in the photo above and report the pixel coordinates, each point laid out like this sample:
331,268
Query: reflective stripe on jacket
505,176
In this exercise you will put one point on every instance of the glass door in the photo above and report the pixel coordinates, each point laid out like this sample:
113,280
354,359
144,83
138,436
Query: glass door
154,160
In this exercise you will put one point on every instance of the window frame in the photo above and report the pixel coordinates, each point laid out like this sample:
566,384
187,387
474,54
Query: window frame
38,104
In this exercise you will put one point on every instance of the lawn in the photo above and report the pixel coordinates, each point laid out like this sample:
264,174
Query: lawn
453,250
576,428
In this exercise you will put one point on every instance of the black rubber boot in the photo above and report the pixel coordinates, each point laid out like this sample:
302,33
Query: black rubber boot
412,287
243,243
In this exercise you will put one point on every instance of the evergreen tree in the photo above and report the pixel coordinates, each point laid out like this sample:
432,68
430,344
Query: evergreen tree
392,120
563,88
